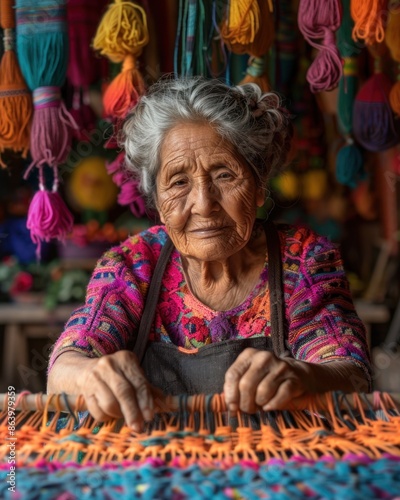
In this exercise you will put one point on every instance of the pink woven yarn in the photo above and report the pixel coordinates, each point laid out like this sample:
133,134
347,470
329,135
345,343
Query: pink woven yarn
318,21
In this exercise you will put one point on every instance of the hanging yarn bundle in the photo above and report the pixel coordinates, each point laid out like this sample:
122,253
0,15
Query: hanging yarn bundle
249,29
369,20
194,36
121,37
286,44
374,126
83,69
42,48
392,40
318,21
349,161
129,194
15,98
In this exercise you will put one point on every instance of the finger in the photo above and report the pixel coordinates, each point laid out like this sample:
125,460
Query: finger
257,373
143,390
102,404
233,376
287,391
128,398
267,388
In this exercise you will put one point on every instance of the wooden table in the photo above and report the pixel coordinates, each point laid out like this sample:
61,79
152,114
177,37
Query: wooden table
23,321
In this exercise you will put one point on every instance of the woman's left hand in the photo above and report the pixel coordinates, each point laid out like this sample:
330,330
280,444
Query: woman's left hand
259,378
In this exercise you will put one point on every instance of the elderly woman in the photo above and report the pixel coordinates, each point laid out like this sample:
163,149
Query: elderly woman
213,299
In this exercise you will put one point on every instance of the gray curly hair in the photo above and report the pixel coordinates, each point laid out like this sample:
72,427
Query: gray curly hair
253,122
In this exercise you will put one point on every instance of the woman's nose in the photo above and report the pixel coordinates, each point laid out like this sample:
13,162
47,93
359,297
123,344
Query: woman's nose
204,199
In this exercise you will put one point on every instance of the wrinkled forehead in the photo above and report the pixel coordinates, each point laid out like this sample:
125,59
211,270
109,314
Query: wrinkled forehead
195,141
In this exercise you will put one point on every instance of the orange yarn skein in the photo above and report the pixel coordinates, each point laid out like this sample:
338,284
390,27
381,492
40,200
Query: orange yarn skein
369,20
392,39
121,37
15,98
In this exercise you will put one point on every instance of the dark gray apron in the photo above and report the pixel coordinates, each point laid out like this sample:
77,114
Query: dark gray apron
203,372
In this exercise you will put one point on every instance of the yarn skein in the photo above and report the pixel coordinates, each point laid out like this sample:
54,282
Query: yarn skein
121,36
249,29
15,98
318,21
373,121
349,160
83,17
369,20
42,48
392,39
129,194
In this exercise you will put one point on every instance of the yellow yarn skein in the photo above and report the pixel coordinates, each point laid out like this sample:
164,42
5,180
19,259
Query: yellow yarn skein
122,31
249,27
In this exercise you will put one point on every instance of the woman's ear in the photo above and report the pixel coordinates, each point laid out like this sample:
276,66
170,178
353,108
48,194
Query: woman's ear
162,219
260,197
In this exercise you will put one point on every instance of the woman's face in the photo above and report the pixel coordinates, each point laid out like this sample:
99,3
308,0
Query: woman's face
207,195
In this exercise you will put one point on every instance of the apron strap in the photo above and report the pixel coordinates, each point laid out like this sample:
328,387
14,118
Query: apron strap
275,284
151,300
275,294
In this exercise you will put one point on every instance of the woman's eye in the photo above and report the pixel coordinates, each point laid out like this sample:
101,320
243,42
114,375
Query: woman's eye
225,175
179,182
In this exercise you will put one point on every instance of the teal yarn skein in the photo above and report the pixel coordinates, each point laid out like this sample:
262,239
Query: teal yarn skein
42,49
349,160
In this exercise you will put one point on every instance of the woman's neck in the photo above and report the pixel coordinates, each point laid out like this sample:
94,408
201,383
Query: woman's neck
223,285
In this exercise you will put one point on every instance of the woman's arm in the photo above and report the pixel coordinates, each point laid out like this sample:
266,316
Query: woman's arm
66,373
93,356
325,335
324,327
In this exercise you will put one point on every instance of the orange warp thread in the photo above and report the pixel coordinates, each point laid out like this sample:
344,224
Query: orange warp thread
206,433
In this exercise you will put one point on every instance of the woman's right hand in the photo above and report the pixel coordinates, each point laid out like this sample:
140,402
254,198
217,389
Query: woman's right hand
115,386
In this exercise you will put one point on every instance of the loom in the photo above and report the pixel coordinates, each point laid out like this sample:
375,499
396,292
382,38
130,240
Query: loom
332,445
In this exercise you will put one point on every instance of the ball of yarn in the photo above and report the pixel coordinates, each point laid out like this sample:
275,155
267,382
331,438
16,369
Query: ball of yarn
350,166
91,185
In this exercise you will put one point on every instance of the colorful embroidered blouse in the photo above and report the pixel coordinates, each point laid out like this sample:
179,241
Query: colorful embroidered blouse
322,323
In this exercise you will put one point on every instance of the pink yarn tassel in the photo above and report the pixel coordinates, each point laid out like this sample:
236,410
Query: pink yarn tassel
52,128
48,218
129,194
318,21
